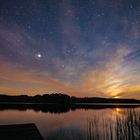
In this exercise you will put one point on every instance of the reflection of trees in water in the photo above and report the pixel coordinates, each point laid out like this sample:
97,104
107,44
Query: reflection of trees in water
126,127
51,108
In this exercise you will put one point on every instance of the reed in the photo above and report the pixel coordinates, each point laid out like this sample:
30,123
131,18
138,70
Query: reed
126,127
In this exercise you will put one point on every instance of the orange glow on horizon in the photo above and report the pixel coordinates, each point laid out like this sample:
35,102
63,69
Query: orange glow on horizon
116,97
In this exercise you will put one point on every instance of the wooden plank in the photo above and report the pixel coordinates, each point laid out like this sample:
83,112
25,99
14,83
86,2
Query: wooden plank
20,132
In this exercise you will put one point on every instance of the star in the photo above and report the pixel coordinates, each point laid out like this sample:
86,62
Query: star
39,55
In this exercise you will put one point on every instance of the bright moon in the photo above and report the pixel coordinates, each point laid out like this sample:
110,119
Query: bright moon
39,55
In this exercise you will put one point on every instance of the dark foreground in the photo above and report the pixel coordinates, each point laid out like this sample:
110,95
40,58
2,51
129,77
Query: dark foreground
20,132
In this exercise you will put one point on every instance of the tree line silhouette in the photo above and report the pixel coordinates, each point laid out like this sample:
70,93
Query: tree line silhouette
61,99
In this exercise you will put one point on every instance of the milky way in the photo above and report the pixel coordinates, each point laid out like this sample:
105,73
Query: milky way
77,47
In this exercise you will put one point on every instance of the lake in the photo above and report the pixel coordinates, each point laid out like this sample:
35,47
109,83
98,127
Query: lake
78,124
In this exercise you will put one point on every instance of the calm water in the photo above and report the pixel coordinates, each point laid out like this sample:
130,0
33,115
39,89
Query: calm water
80,124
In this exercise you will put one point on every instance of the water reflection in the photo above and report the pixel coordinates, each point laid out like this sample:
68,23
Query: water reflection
124,127
117,110
67,133
78,124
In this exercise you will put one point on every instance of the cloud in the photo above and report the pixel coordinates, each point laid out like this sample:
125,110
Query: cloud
114,76
99,65
111,78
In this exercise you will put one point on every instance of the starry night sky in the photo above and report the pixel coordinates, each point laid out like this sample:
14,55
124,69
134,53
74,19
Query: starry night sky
76,47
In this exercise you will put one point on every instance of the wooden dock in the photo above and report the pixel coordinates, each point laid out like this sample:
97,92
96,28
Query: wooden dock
20,132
